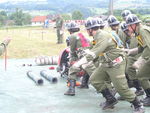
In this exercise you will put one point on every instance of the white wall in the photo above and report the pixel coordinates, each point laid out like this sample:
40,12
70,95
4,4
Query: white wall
37,23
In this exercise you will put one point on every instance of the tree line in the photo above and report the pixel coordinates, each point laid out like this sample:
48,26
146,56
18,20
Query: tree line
19,18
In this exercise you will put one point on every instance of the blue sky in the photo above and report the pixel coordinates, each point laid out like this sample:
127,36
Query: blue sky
1,1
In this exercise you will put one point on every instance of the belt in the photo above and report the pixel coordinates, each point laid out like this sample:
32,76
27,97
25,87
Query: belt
113,63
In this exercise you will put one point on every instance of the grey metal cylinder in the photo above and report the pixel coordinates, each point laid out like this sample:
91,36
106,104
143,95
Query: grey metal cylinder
48,77
35,78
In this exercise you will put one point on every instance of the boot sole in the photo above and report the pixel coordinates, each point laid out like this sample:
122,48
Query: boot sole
83,87
70,94
110,106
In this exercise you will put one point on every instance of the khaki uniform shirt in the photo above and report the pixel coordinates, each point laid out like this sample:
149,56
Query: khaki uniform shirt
144,35
104,44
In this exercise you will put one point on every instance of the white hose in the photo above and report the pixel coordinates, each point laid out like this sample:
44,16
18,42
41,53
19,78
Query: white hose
46,60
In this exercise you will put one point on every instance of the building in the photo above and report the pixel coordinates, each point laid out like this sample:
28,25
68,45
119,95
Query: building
38,20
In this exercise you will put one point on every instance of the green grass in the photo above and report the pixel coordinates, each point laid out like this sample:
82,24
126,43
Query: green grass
28,42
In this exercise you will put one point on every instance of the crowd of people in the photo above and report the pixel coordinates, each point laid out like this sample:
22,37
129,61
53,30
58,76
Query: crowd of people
115,61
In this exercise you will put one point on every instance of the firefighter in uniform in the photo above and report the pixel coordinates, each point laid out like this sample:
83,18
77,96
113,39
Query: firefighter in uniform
124,38
112,67
88,67
130,71
59,29
142,64
76,46
114,25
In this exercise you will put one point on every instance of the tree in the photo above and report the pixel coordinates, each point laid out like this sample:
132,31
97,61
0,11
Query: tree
26,19
77,15
66,17
3,18
20,18
17,17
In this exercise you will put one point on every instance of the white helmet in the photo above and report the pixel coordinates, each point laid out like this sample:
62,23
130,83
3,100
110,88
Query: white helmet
91,23
112,20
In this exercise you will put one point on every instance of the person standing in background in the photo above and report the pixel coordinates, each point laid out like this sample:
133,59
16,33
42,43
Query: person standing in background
59,29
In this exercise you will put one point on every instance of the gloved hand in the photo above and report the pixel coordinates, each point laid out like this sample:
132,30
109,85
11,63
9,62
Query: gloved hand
81,53
6,41
133,51
80,62
139,63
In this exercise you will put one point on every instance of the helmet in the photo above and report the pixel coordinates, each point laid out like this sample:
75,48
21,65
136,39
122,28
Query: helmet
132,19
72,25
112,20
125,13
100,22
124,26
91,23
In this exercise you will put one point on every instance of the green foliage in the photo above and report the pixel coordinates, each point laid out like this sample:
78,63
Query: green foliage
18,17
139,12
3,18
66,16
26,19
119,18
77,15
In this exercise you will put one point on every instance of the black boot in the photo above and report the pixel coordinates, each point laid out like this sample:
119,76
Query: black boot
130,83
137,106
113,91
146,100
110,99
71,90
139,90
84,82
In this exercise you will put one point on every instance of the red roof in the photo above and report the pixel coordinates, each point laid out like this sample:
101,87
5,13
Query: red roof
39,19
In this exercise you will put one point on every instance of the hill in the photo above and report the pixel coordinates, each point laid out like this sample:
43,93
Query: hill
88,7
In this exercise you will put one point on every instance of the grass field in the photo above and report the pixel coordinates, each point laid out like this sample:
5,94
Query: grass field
30,42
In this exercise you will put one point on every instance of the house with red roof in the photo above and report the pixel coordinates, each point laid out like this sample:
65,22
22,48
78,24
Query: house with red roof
38,20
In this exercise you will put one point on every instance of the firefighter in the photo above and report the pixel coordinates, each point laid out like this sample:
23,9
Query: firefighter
59,29
130,71
114,25
77,42
112,67
142,33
